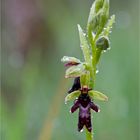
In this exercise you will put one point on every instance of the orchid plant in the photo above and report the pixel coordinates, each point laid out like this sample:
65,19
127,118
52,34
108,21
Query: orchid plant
93,41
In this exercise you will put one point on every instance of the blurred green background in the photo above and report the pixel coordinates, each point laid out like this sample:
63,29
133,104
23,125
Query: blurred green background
36,34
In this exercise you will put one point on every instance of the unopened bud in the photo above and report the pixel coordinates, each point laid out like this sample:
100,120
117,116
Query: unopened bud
102,43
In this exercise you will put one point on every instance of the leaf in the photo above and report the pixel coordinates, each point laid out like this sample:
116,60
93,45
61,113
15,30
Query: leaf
67,59
72,95
84,45
97,95
75,71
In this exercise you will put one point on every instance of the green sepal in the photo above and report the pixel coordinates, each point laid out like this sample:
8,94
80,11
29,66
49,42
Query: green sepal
97,95
84,45
76,71
67,59
72,95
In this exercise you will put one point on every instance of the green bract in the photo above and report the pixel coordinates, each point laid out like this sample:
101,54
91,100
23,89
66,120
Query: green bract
108,27
84,45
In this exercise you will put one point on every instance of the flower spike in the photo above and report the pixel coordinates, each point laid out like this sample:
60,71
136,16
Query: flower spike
93,41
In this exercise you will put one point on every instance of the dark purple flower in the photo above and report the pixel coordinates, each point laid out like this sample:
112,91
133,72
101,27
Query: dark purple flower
85,105
76,85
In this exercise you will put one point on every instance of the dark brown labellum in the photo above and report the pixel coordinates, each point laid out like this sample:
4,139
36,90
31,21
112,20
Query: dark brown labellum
84,104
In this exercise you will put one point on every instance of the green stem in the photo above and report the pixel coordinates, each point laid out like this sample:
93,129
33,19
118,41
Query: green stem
89,135
92,40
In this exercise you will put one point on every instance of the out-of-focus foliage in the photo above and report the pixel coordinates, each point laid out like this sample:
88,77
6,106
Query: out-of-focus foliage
35,35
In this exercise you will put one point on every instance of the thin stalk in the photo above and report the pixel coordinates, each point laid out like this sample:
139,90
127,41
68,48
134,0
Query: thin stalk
92,40
89,135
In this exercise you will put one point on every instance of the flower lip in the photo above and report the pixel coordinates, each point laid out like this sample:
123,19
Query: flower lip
85,104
